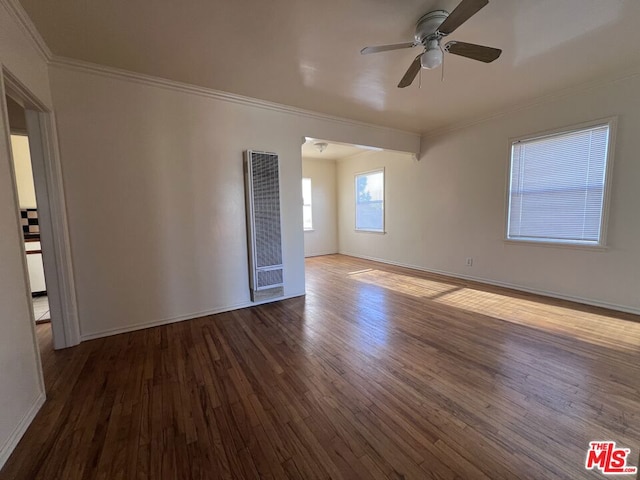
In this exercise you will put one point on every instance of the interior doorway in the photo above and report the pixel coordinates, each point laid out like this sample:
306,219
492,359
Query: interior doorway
43,222
23,172
321,162
328,192
350,199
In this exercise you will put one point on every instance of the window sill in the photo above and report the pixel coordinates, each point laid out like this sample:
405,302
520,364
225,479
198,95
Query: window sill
572,246
309,230
370,231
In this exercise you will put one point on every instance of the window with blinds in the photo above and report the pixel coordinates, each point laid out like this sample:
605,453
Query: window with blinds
557,187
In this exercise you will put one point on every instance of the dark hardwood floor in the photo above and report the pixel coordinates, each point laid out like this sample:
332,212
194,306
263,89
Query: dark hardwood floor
380,372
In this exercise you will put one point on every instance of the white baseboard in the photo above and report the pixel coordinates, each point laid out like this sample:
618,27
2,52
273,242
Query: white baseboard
321,254
21,428
181,318
512,286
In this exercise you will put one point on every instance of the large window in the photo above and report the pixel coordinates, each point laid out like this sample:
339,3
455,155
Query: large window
557,189
370,201
307,219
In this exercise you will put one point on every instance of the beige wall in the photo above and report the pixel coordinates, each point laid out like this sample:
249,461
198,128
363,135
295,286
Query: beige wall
451,205
323,239
399,213
23,172
155,195
21,392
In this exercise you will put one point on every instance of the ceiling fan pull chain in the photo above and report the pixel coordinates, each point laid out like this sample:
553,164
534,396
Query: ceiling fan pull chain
443,62
420,80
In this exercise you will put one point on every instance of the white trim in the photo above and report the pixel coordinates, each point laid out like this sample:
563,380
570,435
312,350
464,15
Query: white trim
565,130
60,278
45,158
191,316
612,125
18,231
547,244
319,254
512,286
21,428
21,17
80,65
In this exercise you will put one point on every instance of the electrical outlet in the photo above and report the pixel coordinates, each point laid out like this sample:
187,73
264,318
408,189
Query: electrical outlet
469,262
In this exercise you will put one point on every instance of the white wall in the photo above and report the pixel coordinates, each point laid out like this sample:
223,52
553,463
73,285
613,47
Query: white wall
155,194
397,241
21,392
323,239
451,205
23,171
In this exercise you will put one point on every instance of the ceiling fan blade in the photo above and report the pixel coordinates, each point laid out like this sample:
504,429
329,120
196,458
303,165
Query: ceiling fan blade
386,48
412,71
463,12
475,52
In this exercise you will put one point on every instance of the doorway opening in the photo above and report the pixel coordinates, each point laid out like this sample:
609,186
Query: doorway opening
321,188
38,188
23,172
345,188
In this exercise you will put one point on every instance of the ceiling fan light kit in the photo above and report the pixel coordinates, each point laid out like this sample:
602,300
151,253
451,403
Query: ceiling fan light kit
432,58
430,30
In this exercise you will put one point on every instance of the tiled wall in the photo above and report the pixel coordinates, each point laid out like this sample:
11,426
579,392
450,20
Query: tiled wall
29,221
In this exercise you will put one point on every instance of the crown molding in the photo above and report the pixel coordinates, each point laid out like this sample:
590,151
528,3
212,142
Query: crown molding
83,66
20,16
16,10
544,99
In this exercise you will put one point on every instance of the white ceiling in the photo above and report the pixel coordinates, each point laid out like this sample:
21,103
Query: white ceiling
333,151
305,53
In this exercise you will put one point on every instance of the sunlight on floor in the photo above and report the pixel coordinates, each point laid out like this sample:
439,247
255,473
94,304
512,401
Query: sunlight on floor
373,319
594,328
406,284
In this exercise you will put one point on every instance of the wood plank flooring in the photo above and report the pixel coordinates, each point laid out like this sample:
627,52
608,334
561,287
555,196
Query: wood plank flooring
380,372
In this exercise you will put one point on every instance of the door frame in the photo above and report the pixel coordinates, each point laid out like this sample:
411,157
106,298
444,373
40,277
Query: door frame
52,211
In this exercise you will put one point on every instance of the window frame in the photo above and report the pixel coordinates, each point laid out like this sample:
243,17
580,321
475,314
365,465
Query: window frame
310,204
612,123
384,201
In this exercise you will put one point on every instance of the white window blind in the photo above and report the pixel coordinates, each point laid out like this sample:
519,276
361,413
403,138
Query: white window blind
557,187
307,218
370,201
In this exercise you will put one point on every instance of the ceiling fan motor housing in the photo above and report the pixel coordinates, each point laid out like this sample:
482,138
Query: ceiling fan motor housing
428,25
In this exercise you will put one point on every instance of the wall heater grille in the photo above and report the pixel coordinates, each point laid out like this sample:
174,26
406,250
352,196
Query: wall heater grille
263,225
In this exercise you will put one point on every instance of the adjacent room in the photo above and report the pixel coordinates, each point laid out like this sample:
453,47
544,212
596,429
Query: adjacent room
343,240
25,188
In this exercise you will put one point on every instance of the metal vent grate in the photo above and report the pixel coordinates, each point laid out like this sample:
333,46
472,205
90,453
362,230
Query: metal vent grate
266,207
269,278
263,220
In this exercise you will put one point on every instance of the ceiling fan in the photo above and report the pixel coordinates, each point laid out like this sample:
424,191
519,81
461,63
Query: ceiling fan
430,30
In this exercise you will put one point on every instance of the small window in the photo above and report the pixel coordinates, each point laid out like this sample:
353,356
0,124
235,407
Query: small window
557,188
307,220
370,201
